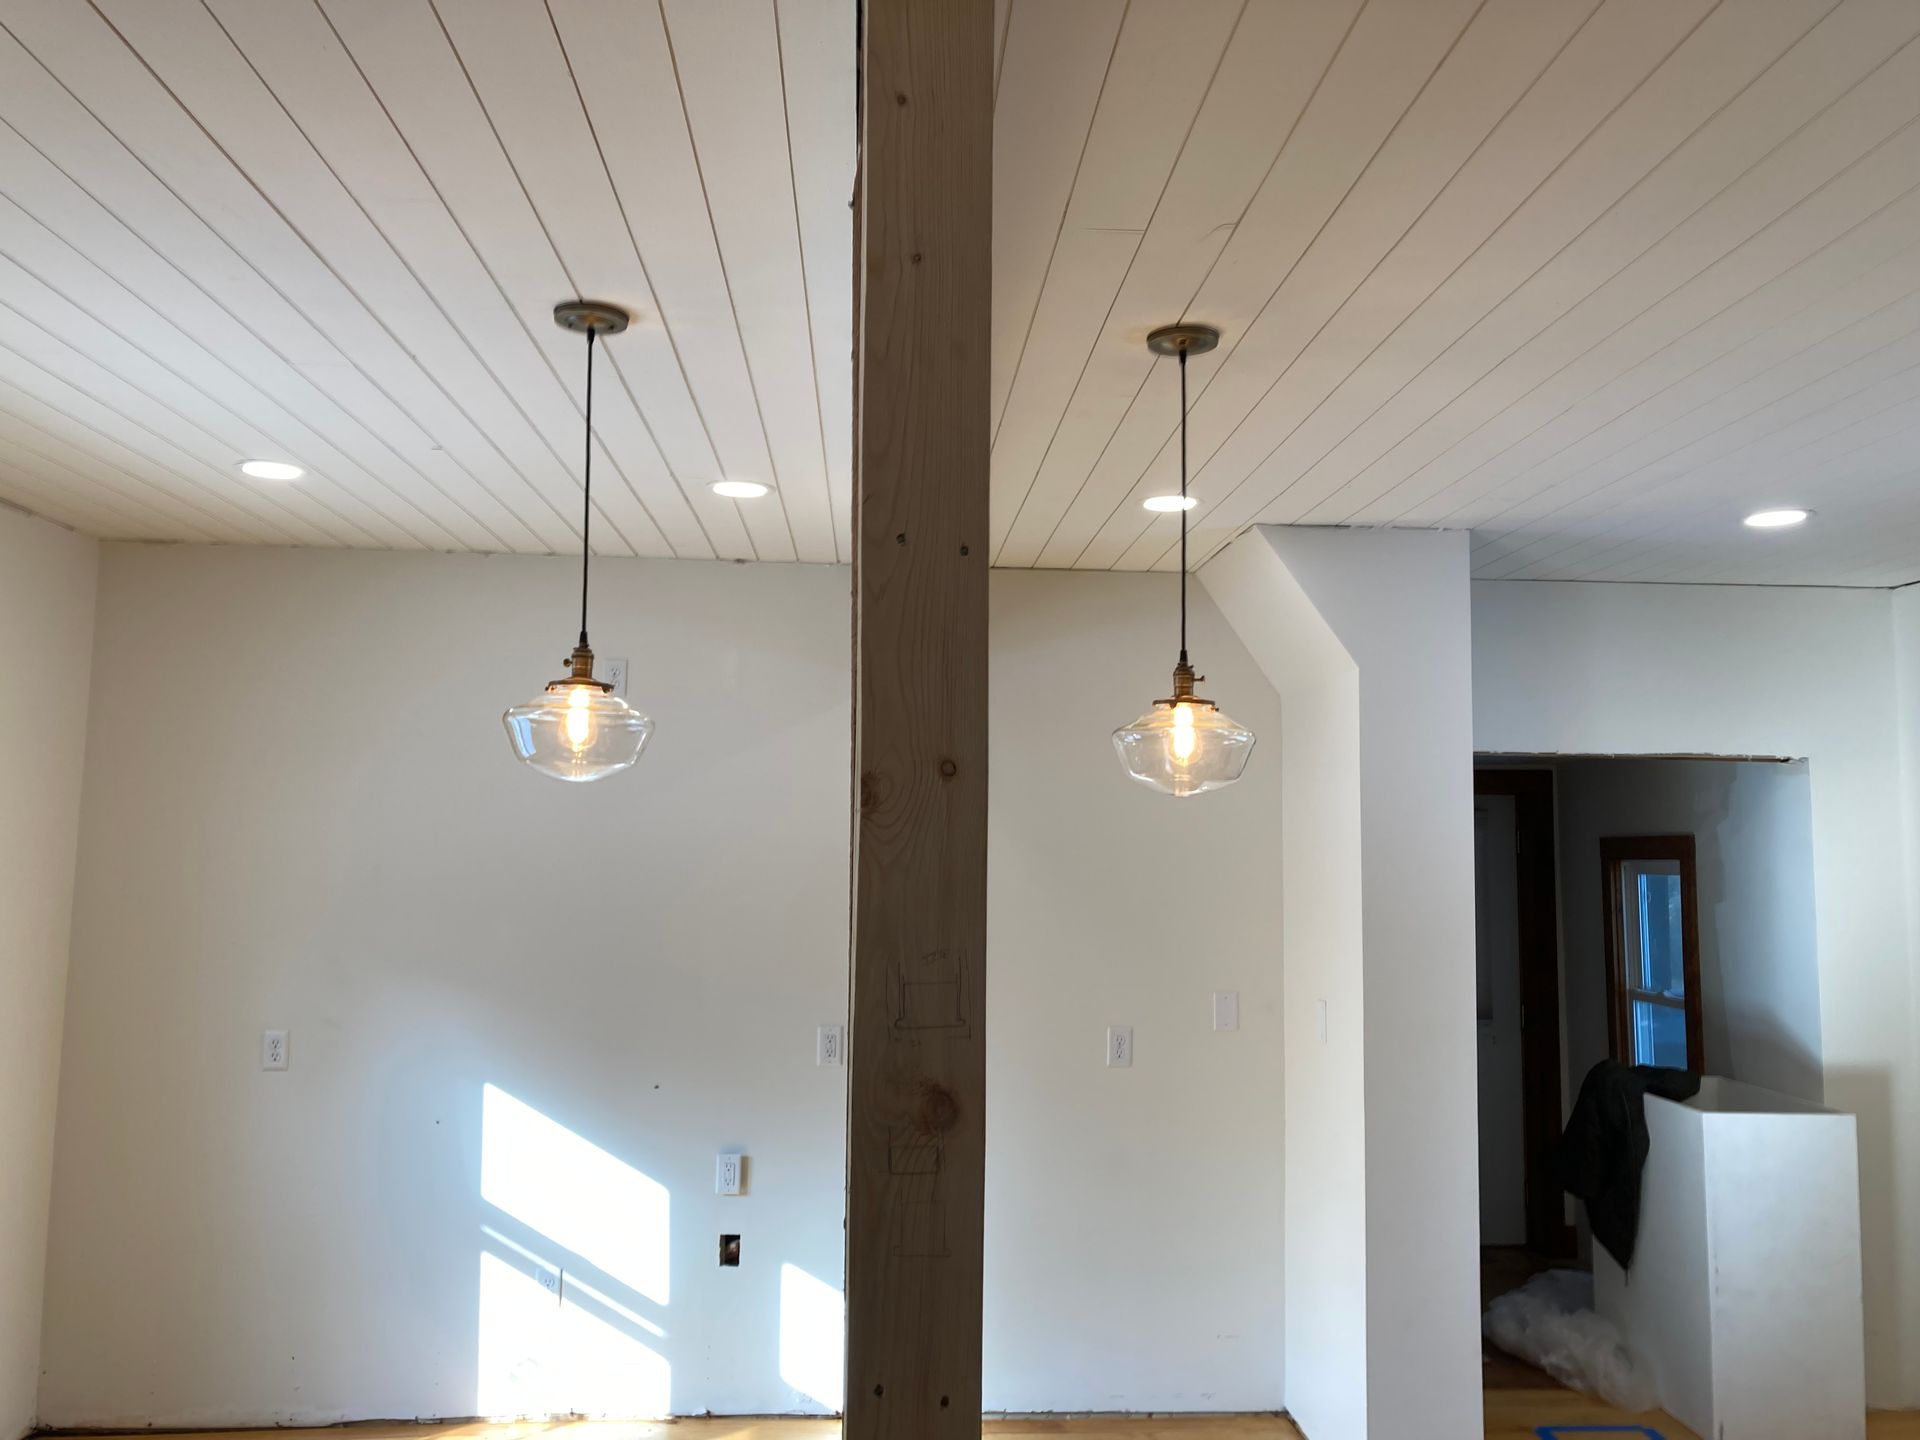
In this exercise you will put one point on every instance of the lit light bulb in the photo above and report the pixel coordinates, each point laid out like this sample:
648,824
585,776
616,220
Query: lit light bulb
1183,736
579,718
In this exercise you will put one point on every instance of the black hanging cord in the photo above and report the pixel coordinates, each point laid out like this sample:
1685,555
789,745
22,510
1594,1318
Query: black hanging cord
1183,504
586,517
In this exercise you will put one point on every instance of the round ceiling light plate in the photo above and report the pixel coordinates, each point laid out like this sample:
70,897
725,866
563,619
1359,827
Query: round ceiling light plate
271,469
590,317
1183,339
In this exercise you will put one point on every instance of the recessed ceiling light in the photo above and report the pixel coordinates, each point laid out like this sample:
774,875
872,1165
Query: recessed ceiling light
1168,504
739,489
271,470
1776,519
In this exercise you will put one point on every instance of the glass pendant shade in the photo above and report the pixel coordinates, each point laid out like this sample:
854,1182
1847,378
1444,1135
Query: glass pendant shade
577,730
1184,747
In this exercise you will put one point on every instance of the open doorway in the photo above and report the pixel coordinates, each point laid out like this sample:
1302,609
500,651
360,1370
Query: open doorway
1649,910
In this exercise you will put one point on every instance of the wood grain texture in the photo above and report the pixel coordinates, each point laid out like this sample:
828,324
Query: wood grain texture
1511,1415
917,1048
764,1427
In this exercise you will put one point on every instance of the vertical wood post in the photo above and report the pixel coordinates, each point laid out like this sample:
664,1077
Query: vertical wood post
916,1052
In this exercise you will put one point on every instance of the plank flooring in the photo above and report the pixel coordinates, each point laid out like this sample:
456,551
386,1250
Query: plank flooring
1511,1415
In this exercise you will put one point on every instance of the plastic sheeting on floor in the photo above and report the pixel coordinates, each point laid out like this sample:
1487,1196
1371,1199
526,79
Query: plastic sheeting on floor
1550,1322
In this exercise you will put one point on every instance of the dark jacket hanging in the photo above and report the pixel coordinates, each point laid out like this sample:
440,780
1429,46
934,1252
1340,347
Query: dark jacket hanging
1605,1146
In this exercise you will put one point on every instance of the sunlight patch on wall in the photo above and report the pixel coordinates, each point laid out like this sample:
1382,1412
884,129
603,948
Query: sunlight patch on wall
812,1336
574,1194
539,1356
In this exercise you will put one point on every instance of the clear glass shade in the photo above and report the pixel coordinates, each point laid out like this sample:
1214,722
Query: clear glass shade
577,731
1184,748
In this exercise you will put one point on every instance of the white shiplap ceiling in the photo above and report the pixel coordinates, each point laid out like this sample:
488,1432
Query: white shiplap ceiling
334,232
1590,277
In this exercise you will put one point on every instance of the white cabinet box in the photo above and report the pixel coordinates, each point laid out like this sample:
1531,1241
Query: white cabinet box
1744,1297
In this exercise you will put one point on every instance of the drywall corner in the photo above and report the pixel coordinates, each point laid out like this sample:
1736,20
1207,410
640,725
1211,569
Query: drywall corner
1367,636
47,577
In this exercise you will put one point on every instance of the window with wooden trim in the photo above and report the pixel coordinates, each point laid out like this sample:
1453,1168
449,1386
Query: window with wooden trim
1652,921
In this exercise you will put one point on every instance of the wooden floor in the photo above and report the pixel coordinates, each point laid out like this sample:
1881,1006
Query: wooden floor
1511,1415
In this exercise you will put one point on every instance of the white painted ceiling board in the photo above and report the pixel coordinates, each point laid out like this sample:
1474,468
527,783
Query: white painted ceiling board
1171,51
1388,257
175,149
526,405
266,348
1278,54
1628,179
1451,265
1054,60
1589,277
1680,181
816,36
623,67
1838,171
346,223
1488,67
1381,66
728,56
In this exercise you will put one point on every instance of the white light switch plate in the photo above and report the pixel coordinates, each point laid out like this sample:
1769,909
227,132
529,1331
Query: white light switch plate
729,1173
1226,1009
1119,1047
273,1049
830,1046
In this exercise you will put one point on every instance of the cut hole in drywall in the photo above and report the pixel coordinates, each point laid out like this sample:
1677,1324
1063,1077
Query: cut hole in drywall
730,1251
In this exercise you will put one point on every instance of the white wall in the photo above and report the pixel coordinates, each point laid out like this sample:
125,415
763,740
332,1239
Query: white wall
1752,824
1133,1215
301,812
1653,669
46,636
1365,635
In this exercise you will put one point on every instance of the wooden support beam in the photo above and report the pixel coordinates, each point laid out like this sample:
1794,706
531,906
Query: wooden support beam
916,1121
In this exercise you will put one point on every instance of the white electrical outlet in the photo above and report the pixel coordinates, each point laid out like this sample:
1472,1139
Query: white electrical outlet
615,672
830,1045
273,1049
729,1174
1119,1047
1226,1009
550,1280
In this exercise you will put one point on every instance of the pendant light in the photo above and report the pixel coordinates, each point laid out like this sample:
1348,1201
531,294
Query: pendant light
578,729
1184,745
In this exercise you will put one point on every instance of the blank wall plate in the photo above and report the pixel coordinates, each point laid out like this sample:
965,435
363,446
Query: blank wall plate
729,1173
830,1045
615,672
273,1049
1320,1020
1226,1009
1119,1047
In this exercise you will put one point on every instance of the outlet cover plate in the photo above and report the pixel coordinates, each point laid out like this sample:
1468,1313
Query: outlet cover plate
1119,1047
273,1049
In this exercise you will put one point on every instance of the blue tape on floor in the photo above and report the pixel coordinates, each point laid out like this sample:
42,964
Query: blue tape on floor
1554,1432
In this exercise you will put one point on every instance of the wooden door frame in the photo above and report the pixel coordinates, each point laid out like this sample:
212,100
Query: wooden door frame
1679,848
1537,897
